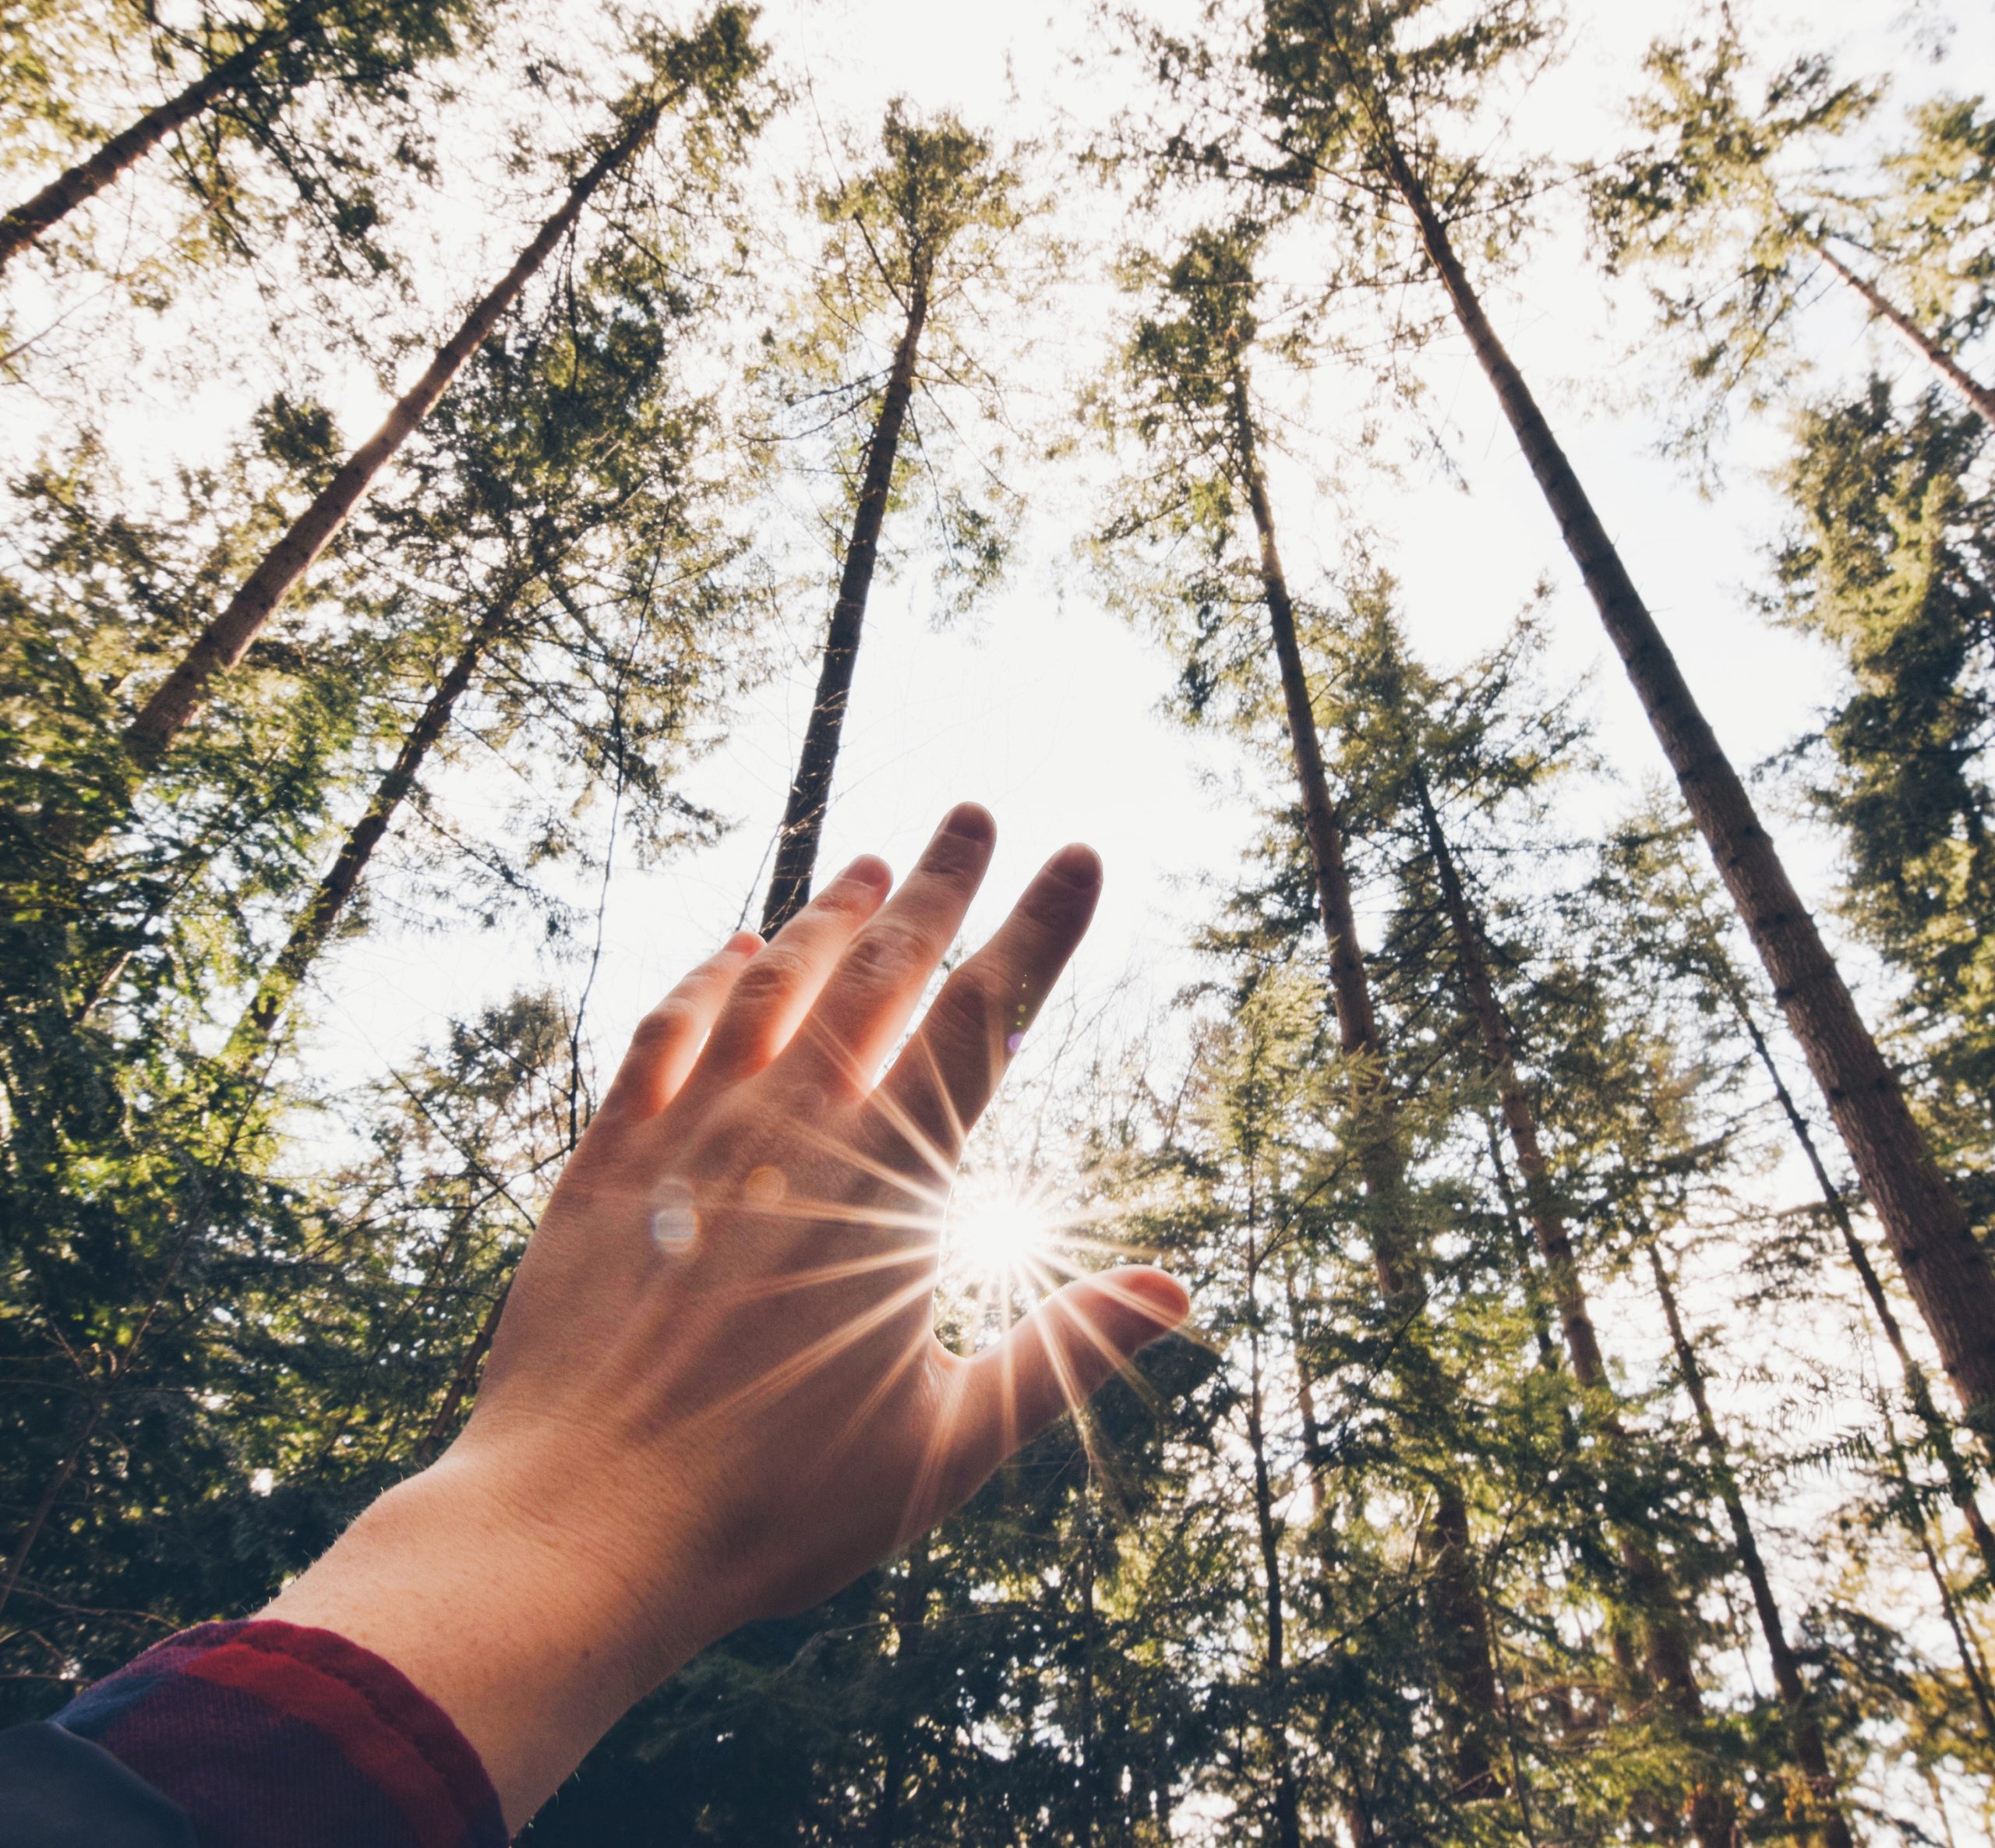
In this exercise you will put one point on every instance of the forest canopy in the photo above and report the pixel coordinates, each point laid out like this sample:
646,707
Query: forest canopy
1483,512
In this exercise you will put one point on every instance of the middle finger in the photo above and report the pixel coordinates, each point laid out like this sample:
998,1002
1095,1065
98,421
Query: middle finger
870,995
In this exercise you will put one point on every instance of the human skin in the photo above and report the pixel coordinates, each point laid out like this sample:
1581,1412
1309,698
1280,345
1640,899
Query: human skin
716,1394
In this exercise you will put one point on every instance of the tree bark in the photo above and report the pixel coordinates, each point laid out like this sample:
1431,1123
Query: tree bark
810,794
910,1611
1274,1661
1948,1273
225,641
1548,1224
30,221
312,932
1921,343
1305,1396
1804,1733
1670,1659
1454,1592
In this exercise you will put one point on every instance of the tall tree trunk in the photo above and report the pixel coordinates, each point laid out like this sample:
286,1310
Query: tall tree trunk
312,932
1454,1592
224,642
1915,336
1548,1224
1305,1394
1521,1243
1088,1739
810,794
1939,1429
1804,1733
1670,1660
1274,1661
1948,1273
910,1610
29,221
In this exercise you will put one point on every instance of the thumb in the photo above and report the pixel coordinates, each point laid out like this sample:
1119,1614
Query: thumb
1064,1350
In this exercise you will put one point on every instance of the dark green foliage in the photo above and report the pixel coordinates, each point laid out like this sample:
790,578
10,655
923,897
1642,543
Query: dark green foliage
1892,563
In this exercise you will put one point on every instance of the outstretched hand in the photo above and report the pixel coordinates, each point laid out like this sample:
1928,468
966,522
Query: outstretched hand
716,1392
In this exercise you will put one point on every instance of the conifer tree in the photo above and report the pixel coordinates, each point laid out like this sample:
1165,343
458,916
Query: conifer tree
1483,743
569,463
708,71
909,237
1820,1802
1891,560
1647,877
250,74
1715,188
1188,367
1669,1658
1367,91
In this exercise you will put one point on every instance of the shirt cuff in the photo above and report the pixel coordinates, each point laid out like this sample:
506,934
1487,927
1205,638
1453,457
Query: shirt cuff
268,1734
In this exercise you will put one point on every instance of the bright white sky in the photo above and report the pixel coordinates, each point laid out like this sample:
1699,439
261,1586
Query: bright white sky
1042,704
1044,707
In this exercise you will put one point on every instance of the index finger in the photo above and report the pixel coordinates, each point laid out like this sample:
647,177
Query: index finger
940,1083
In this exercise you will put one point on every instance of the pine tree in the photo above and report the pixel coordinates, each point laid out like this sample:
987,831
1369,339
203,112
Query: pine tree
1188,363
1891,560
1713,188
709,69
1344,90
1820,1802
910,237
1648,879
251,75
571,460
1482,744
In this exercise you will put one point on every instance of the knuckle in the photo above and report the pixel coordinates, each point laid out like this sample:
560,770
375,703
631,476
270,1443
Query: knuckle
885,955
767,978
955,857
846,898
970,1003
666,1022
1053,907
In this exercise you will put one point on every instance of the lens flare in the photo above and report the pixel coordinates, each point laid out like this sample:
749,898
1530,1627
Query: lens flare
999,1238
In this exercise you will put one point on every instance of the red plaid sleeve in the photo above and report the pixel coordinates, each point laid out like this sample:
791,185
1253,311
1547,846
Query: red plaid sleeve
268,1734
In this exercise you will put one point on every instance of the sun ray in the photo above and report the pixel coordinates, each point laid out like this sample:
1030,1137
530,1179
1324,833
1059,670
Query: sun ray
855,1426
841,1272
898,1118
921,1491
807,1361
846,1150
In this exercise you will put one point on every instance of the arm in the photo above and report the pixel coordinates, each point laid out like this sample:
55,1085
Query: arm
716,1393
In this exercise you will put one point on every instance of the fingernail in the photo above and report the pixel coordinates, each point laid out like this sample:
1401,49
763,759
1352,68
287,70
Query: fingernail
1078,866
743,943
971,820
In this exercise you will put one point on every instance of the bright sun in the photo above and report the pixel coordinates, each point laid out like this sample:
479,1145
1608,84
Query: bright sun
999,1237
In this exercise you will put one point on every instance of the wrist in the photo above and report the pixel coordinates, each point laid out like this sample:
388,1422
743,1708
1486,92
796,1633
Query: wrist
533,1643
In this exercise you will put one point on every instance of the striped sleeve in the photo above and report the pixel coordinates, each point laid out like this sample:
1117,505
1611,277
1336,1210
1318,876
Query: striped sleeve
265,1733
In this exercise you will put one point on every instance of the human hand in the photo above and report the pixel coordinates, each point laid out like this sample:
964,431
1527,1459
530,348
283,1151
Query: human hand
716,1393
